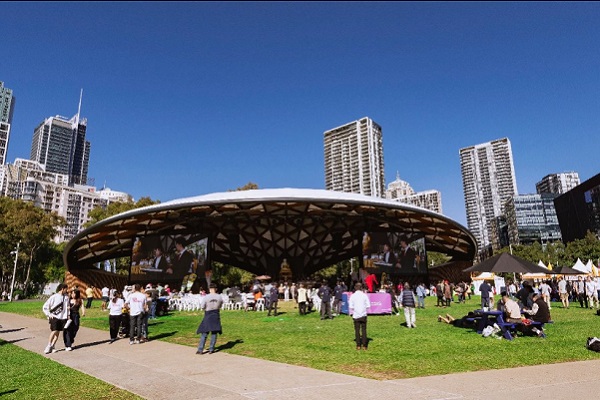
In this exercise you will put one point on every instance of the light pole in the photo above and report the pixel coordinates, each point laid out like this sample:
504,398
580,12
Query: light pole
12,285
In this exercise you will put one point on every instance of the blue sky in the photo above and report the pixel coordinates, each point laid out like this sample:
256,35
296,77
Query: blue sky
184,99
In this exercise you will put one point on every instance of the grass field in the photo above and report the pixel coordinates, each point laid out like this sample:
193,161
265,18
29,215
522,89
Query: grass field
25,376
394,351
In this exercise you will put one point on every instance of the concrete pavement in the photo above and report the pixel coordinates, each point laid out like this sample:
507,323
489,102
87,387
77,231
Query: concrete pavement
181,374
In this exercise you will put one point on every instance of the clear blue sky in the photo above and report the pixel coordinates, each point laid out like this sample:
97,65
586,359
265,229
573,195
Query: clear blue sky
184,99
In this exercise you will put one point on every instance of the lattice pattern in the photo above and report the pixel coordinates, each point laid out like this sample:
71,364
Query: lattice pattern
256,233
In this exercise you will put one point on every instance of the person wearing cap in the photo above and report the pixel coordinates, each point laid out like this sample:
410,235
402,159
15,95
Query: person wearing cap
56,308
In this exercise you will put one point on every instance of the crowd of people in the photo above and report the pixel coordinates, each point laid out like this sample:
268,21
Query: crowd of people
130,310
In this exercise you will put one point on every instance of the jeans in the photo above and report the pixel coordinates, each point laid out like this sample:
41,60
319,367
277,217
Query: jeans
153,309
360,332
325,309
302,307
272,304
89,302
213,341
421,301
135,322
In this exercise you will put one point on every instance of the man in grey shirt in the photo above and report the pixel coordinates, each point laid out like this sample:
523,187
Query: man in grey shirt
211,304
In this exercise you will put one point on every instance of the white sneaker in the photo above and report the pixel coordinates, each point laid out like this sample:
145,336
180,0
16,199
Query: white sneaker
48,349
68,348
137,341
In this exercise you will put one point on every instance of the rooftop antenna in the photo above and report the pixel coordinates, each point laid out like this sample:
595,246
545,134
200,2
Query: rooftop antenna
79,108
397,175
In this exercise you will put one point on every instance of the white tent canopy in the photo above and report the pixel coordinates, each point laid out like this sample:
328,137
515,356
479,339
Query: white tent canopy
580,266
541,264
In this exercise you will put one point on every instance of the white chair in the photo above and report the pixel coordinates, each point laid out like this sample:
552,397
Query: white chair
260,304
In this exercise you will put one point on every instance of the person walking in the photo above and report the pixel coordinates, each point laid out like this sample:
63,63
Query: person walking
211,323
358,305
136,302
407,301
115,308
421,295
273,299
338,293
105,294
56,308
89,294
324,294
71,329
302,298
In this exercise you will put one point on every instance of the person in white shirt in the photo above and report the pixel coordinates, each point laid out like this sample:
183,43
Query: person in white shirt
562,291
105,294
137,305
545,292
56,308
592,292
359,304
115,308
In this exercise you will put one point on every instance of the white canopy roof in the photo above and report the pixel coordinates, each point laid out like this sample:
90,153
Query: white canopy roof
485,276
541,264
580,266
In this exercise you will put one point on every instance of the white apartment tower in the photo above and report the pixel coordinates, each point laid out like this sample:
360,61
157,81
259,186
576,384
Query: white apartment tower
7,105
354,158
402,192
488,176
558,183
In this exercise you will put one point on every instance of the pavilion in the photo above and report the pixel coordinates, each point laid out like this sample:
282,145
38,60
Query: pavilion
256,229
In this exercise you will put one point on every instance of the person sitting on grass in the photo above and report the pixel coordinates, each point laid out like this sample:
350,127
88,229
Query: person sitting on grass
468,321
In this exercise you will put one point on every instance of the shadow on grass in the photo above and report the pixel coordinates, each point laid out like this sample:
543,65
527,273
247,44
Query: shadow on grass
8,392
12,330
229,345
163,335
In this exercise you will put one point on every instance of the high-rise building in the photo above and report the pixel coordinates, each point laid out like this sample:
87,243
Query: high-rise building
532,218
578,210
7,106
488,176
27,180
354,158
402,192
558,183
59,144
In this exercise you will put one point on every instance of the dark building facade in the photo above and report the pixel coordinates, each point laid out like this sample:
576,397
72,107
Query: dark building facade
578,210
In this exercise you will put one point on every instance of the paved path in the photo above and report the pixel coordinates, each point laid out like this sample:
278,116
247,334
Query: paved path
181,374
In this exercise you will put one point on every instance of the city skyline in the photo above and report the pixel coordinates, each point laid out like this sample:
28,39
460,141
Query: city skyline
195,98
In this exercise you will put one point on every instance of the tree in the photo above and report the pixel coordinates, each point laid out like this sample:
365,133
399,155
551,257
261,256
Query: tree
22,222
247,186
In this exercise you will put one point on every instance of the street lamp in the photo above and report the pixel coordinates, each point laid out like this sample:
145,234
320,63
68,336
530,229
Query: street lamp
12,285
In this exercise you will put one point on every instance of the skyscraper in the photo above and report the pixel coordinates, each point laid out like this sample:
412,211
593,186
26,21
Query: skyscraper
354,158
7,105
488,176
558,183
59,144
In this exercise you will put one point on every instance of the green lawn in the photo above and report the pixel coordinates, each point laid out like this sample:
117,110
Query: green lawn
25,375
394,351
